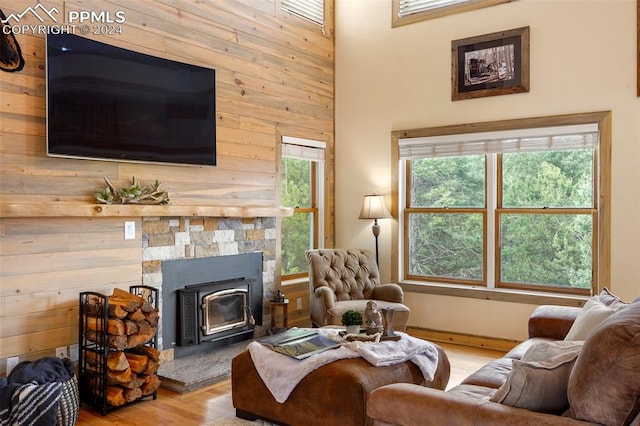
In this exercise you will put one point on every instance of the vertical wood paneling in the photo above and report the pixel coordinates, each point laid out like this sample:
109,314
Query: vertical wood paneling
274,77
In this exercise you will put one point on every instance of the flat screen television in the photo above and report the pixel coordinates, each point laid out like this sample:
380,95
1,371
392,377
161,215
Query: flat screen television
110,103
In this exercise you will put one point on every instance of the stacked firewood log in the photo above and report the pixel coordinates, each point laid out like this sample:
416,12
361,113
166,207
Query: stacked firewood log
131,365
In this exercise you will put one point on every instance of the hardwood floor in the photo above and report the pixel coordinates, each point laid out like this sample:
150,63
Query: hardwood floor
201,407
465,360
208,405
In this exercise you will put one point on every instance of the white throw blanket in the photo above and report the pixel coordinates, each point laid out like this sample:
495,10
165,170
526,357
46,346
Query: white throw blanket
281,374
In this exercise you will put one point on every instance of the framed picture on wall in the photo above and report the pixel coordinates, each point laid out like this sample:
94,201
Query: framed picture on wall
490,65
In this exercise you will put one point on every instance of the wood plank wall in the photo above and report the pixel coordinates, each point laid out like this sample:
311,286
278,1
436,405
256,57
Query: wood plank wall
45,264
275,76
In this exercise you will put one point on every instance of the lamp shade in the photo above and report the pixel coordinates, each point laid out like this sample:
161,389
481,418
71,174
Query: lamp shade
374,207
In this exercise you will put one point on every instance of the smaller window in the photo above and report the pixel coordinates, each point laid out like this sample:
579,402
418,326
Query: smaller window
311,10
409,7
410,11
302,189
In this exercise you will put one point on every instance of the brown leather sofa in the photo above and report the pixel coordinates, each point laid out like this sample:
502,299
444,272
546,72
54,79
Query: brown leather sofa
603,382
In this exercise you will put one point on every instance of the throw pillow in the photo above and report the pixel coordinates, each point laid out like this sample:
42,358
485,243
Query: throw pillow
538,385
604,386
543,350
592,313
610,299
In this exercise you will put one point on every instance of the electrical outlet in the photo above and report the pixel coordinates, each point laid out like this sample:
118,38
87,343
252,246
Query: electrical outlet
61,352
74,352
299,303
129,230
11,362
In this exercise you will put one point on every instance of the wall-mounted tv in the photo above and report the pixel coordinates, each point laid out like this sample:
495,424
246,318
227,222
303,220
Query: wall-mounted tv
110,103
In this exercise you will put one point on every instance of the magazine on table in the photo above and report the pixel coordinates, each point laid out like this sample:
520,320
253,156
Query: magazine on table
299,343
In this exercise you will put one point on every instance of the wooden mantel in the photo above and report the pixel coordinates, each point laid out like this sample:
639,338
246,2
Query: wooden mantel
129,210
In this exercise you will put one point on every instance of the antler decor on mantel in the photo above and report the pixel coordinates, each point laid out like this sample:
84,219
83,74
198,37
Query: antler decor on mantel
133,194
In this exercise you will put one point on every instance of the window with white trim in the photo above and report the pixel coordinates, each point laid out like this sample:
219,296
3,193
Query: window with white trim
513,209
410,11
311,10
302,187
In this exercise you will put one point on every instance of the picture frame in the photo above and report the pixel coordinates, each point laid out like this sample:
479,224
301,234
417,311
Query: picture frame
490,64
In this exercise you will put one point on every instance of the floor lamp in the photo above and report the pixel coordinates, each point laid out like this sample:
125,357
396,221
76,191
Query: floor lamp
374,207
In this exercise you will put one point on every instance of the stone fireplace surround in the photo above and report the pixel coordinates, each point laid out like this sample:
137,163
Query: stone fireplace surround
196,238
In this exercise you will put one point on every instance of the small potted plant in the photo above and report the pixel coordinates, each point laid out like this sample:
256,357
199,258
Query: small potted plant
352,320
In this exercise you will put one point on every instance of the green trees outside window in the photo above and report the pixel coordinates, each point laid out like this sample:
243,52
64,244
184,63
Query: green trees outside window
552,247
535,208
298,231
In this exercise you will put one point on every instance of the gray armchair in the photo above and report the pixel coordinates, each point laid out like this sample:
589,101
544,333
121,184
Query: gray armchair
343,279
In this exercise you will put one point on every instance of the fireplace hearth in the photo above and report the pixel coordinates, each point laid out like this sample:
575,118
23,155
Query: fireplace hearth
210,302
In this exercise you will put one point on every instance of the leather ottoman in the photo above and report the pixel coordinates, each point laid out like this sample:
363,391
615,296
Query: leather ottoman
334,394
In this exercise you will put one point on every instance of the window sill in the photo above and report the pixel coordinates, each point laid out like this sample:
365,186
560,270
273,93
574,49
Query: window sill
302,280
502,295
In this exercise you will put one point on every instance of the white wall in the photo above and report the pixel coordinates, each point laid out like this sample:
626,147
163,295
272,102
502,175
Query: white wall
583,59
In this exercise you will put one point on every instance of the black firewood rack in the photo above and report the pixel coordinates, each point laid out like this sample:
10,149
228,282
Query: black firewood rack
92,375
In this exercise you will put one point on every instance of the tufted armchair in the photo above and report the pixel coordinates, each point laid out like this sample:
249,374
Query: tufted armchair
343,279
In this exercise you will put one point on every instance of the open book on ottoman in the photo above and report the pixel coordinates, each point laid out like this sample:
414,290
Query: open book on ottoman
299,343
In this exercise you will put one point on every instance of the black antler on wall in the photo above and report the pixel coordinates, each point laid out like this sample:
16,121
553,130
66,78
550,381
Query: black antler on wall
11,59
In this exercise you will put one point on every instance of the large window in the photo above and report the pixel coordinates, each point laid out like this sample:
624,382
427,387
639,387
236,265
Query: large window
516,209
301,188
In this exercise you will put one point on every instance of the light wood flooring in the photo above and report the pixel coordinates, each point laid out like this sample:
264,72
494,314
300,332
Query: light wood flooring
211,404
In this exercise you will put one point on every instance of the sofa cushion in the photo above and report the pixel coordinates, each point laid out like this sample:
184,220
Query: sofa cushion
544,350
593,313
538,385
519,350
604,386
472,391
491,375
